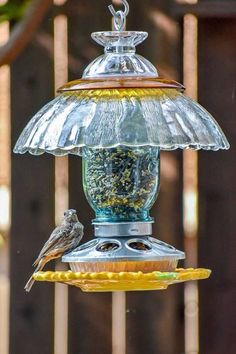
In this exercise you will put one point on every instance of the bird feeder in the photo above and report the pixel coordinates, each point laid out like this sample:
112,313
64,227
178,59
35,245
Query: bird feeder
119,117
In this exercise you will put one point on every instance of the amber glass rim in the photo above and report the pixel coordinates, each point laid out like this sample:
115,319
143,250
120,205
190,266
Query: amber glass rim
121,83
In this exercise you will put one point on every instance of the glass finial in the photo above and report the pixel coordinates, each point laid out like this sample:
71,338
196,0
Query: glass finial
120,58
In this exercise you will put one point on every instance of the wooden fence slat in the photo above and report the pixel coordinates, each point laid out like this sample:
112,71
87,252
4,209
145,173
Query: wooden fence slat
31,315
89,314
155,319
90,322
217,74
207,9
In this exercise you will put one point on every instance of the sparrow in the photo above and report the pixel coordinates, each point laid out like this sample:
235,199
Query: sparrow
63,239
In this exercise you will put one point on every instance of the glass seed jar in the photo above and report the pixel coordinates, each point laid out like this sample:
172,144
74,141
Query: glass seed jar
121,184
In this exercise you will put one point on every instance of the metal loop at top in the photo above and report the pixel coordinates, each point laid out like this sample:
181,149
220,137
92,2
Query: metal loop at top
119,16
119,21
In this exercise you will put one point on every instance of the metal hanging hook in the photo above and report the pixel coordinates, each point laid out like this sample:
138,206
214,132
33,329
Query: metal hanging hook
120,16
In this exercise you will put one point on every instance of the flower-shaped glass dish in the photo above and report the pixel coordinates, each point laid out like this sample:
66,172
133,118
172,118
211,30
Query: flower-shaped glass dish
106,118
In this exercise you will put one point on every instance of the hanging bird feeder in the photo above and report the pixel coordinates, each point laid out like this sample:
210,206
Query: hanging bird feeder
119,117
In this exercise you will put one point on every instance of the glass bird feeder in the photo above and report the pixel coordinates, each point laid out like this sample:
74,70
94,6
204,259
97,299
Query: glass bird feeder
119,117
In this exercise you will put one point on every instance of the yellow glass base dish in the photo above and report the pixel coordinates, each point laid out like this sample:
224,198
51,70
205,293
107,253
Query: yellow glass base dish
123,281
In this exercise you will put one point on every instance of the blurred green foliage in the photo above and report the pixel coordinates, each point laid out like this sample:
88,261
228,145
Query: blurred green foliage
13,10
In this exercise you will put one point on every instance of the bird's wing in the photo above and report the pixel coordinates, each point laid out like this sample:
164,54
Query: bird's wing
58,234
67,241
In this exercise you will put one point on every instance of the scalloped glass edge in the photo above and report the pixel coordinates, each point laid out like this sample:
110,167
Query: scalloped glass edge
163,107
78,150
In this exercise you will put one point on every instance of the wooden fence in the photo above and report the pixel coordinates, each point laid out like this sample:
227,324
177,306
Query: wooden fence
192,43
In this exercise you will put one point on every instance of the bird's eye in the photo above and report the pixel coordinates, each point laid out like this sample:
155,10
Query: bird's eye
65,213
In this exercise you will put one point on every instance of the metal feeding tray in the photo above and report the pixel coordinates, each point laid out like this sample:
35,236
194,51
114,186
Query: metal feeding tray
124,254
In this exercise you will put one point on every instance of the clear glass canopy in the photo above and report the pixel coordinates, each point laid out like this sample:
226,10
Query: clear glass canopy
120,102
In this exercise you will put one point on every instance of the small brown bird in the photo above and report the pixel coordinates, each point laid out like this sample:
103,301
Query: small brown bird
63,239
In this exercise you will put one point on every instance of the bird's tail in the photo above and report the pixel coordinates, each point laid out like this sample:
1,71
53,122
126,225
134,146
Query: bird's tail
29,284
31,280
